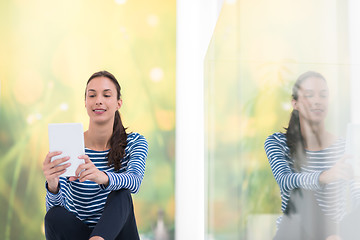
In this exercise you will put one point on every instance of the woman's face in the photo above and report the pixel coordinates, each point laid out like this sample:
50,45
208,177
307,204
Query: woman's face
313,100
101,100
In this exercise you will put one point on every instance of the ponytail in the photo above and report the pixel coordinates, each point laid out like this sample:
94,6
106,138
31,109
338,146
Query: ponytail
295,141
117,142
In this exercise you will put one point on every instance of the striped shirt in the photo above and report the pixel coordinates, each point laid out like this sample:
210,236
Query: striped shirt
332,197
87,199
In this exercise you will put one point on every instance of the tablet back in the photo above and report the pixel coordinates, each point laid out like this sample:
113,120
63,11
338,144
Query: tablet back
68,138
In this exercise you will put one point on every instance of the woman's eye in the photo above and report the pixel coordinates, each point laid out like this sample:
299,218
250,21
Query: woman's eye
91,96
324,94
107,95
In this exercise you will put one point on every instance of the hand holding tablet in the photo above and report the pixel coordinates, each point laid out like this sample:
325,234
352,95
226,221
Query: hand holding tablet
69,139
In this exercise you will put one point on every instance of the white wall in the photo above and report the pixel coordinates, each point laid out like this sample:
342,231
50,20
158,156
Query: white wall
196,20
354,30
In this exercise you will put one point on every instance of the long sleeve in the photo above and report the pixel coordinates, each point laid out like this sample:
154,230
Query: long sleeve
275,148
355,193
53,199
131,179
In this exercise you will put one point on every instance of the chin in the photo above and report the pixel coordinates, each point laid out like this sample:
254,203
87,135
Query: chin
101,120
317,120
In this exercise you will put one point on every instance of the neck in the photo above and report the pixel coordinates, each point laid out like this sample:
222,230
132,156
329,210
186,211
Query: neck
315,135
98,135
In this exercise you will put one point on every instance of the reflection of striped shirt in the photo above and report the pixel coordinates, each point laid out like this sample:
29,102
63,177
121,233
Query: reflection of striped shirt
87,199
331,197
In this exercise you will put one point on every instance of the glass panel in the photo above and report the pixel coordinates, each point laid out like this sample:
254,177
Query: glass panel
258,50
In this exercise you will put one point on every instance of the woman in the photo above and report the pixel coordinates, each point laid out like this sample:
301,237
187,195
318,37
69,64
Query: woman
309,166
97,204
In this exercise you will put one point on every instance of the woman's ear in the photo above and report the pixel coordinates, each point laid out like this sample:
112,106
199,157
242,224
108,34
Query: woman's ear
119,104
294,104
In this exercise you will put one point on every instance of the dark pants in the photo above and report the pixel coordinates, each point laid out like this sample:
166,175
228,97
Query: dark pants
308,222
116,222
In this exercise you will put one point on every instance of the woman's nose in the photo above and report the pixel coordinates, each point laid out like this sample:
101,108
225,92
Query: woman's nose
98,100
318,100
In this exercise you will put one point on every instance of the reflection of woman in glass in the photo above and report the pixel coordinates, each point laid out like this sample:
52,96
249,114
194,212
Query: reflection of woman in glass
309,166
97,204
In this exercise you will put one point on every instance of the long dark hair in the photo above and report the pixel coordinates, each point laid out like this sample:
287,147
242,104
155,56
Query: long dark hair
294,138
118,139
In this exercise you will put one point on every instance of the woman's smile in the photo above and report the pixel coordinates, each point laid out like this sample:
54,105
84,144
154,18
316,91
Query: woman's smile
317,111
99,111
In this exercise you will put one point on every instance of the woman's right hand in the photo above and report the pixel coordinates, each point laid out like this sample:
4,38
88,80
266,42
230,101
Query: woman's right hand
52,170
340,171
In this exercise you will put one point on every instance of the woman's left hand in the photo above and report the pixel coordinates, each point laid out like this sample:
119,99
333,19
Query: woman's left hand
88,171
340,171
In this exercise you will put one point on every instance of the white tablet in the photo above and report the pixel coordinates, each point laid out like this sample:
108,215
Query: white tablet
69,139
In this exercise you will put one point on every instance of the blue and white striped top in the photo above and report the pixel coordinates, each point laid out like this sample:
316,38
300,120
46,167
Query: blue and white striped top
87,199
332,197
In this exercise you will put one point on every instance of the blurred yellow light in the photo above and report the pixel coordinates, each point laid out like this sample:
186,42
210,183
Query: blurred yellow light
286,106
156,74
120,1
64,107
43,229
33,117
153,20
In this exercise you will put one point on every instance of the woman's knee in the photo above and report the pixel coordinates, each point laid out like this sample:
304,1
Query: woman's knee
51,221
122,194
62,224
54,213
119,200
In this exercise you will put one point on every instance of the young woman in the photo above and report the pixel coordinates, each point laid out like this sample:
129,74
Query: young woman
309,166
97,204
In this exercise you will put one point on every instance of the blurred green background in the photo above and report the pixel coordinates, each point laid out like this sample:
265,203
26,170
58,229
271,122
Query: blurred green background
48,51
